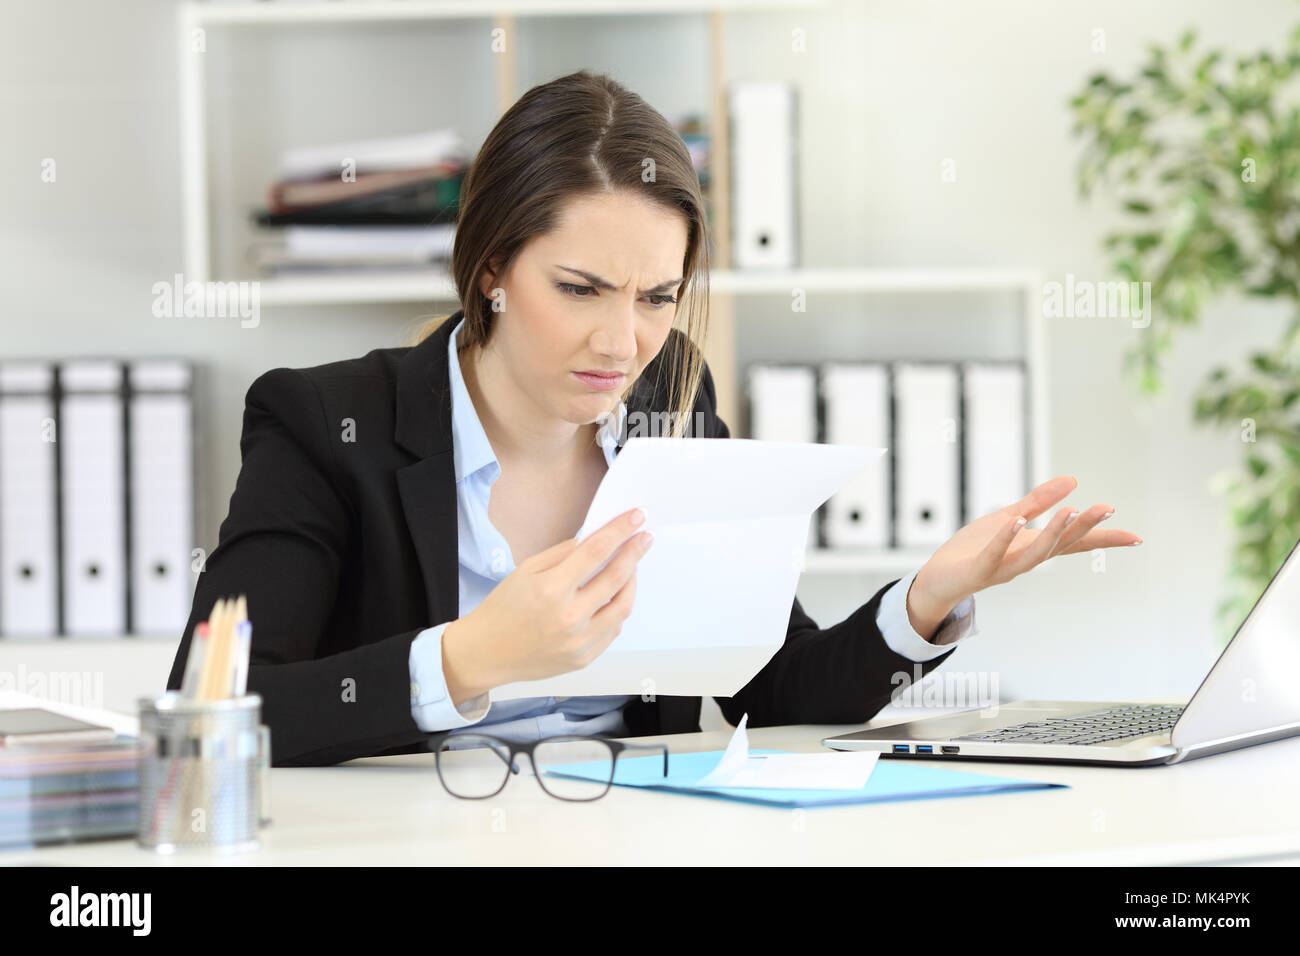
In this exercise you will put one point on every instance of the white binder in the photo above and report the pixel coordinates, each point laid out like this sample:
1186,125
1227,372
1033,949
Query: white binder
91,444
994,436
764,174
926,436
783,407
782,403
29,585
855,399
162,495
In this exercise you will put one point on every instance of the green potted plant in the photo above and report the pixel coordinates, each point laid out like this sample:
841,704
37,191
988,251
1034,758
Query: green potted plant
1203,157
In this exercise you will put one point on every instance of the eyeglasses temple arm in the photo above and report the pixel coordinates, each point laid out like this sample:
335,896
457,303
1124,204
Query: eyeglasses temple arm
663,747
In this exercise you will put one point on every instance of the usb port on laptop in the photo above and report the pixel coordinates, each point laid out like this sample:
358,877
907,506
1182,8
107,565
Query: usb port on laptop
902,749
924,749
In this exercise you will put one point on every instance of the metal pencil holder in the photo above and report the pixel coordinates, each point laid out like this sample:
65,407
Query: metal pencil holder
203,773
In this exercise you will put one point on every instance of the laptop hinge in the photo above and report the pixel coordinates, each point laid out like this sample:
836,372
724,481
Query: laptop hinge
1236,741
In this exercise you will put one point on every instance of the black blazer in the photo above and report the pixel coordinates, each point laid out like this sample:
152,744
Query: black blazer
343,535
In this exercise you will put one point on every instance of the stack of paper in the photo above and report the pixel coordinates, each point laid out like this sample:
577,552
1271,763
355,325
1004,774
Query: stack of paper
387,204
54,794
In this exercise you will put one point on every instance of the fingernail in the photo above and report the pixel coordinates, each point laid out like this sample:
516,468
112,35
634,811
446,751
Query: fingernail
647,540
1136,543
1107,515
638,516
1073,515
1020,522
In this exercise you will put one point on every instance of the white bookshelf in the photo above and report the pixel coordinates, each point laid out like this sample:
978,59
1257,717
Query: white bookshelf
195,16
434,288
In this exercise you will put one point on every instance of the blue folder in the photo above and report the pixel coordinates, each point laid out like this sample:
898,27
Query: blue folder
890,780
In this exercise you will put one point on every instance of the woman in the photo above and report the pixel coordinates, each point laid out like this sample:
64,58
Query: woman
403,523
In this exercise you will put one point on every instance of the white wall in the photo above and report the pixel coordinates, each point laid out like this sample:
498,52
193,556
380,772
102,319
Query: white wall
888,91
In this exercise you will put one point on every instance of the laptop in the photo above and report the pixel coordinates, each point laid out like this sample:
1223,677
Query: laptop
1250,696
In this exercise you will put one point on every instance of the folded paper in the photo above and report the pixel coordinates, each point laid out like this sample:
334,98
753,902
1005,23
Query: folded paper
740,770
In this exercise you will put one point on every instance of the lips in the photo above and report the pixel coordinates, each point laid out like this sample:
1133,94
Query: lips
600,380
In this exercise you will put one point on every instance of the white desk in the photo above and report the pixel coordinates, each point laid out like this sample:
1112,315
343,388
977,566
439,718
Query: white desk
1242,806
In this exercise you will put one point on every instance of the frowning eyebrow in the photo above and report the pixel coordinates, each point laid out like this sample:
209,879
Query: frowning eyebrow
600,283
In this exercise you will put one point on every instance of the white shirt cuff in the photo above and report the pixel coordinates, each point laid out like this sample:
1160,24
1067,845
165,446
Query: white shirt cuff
431,705
901,637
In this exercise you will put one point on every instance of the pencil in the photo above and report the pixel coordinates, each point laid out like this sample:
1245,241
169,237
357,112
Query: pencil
216,643
205,670
236,614
243,645
234,648
221,670
194,661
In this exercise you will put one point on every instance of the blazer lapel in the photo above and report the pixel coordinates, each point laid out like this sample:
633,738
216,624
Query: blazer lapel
428,486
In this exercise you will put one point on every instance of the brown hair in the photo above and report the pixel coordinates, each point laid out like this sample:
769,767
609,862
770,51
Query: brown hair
578,134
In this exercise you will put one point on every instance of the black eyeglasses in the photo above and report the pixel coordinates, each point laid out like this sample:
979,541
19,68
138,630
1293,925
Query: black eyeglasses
549,756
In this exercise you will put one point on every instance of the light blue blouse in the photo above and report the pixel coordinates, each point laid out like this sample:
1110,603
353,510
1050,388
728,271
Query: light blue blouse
485,560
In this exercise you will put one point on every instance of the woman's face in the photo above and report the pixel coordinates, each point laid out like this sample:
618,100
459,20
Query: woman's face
596,294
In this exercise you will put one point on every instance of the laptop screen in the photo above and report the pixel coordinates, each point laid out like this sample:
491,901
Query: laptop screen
1252,686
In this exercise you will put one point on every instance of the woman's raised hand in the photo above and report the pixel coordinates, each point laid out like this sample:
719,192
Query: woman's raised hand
998,547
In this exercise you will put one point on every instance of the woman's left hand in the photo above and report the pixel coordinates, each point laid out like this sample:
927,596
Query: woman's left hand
994,549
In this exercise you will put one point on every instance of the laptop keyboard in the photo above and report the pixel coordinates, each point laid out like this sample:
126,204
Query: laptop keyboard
1115,723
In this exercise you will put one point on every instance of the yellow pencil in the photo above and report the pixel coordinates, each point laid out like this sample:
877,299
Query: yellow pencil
222,667
216,644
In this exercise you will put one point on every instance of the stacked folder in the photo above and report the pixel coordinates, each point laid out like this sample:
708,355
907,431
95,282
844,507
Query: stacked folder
373,204
958,434
56,793
97,521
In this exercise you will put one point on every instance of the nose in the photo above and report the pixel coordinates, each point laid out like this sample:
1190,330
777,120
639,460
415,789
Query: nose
615,337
